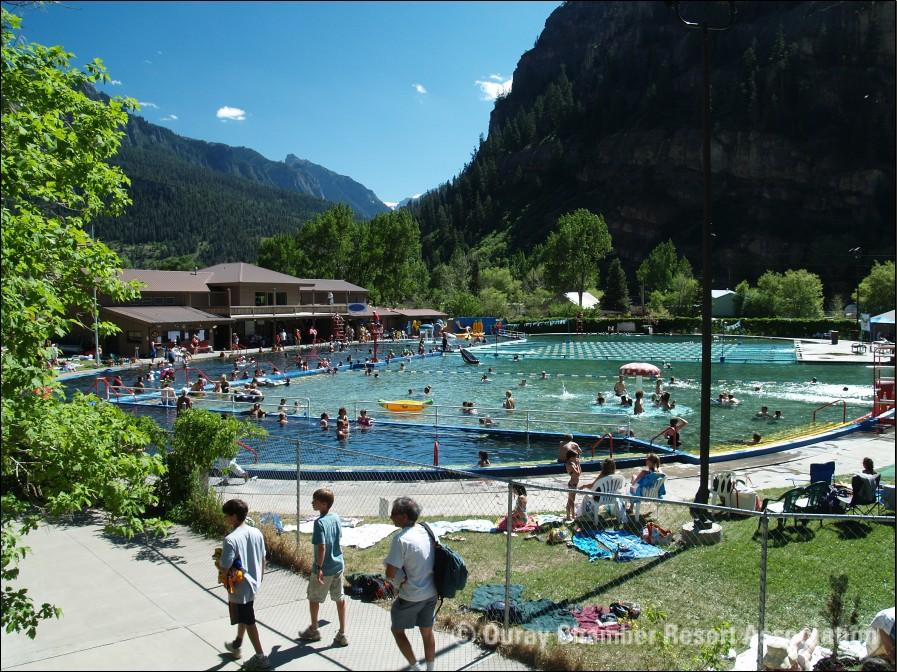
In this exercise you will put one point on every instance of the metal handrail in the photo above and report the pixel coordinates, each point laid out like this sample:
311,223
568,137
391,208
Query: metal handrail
250,449
610,438
222,396
832,403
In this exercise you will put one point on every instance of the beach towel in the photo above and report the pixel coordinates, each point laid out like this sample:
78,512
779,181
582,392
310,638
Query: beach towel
647,481
529,527
597,622
442,527
618,544
536,615
488,593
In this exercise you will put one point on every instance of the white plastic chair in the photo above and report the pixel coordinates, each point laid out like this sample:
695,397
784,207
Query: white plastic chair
652,490
604,490
722,486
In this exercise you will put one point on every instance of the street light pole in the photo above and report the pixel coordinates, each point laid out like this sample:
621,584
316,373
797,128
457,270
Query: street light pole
96,316
702,496
855,251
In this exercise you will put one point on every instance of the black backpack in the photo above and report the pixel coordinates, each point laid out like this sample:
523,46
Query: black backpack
449,570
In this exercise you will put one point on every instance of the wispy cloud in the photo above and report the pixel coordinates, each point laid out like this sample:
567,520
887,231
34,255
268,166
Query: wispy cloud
494,87
159,52
115,82
144,103
420,88
391,204
147,61
231,114
169,117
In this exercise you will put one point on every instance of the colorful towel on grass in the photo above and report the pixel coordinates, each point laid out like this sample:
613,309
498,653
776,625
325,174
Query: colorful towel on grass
596,622
616,544
529,527
536,615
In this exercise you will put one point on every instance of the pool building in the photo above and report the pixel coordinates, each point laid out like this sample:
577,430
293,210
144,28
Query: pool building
238,299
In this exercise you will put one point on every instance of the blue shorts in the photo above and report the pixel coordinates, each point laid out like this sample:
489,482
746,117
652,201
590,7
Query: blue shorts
406,615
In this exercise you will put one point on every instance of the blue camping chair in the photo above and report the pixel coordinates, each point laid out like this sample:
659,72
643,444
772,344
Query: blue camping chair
823,472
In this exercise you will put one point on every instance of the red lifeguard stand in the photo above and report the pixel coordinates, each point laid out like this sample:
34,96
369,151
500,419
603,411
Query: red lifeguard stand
882,387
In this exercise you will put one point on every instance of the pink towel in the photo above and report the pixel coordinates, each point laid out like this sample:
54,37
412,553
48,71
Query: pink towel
530,525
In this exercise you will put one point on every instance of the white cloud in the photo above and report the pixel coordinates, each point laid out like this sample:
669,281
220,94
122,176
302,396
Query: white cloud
115,82
170,117
416,196
391,204
146,60
144,103
159,52
493,87
420,88
231,114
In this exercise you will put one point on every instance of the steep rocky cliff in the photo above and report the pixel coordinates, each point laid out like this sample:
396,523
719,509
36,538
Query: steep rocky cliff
605,113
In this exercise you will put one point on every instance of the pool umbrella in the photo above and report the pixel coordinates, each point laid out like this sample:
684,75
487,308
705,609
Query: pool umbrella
639,369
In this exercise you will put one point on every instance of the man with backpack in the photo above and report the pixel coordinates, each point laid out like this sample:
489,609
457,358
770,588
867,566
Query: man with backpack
409,566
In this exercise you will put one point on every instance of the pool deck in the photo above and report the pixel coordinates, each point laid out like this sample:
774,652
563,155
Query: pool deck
488,498
819,351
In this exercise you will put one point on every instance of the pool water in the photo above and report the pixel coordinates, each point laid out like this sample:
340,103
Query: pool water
562,401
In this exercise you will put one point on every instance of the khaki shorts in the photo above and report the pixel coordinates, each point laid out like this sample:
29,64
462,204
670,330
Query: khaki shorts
317,592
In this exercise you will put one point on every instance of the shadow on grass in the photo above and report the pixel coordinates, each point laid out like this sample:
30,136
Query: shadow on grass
787,534
851,529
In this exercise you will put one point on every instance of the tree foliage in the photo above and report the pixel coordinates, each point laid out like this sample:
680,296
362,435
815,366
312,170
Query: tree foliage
616,290
57,457
382,254
574,250
656,272
794,293
877,289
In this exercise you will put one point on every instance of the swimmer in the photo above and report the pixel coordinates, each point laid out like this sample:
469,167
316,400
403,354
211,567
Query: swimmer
812,381
484,459
544,376
763,413
599,400
523,383
364,420
485,379
486,421
509,402
672,381
620,387
427,390
754,440
324,420
778,416
282,418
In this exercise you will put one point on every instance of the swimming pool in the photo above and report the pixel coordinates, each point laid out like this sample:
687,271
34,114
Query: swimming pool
561,401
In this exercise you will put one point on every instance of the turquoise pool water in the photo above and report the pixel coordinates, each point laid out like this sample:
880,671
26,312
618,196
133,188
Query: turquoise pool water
564,399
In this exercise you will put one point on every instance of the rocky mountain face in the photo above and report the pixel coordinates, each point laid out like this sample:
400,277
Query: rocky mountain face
606,113
292,174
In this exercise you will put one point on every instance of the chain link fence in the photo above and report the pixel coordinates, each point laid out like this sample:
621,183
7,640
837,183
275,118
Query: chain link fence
626,584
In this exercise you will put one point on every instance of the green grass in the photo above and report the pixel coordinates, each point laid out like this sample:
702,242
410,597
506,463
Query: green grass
698,588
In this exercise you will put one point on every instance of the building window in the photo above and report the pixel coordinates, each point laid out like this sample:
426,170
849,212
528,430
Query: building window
281,299
262,299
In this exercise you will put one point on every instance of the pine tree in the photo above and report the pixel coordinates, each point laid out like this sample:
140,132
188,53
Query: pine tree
616,291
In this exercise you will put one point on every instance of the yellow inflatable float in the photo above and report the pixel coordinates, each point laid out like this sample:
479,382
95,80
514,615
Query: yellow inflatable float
404,405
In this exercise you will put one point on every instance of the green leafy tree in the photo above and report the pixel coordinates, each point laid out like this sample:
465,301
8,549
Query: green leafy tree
463,304
794,293
877,289
58,457
616,291
657,270
574,250
387,258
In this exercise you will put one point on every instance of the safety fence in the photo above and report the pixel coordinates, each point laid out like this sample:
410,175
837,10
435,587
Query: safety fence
628,582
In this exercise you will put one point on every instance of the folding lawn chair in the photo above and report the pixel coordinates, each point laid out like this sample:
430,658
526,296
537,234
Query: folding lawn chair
824,471
865,498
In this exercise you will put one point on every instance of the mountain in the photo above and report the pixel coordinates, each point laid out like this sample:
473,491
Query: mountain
606,114
293,174
406,202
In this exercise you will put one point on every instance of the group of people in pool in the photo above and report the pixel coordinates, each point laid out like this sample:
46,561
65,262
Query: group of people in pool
364,421
660,398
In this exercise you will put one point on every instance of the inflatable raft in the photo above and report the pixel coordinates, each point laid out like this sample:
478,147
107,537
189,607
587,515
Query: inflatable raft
405,405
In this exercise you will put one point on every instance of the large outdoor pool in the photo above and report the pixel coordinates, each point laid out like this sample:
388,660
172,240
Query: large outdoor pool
561,400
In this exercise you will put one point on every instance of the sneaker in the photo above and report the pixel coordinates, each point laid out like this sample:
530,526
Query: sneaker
310,634
340,639
233,650
258,662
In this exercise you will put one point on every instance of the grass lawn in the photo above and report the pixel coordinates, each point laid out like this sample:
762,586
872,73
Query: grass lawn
694,589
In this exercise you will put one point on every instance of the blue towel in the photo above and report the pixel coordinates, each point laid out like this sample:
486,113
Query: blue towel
617,544
273,519
647,481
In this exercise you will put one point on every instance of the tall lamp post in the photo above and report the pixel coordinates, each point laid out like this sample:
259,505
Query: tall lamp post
706,29
855,251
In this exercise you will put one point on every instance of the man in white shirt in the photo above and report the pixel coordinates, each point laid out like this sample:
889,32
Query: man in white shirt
409,565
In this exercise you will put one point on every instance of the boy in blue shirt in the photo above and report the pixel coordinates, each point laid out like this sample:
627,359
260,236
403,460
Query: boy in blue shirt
327,568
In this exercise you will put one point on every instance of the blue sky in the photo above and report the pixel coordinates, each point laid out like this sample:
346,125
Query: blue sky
392,94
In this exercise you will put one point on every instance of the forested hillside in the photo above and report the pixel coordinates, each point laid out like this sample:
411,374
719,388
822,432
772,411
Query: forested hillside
605,114
185,216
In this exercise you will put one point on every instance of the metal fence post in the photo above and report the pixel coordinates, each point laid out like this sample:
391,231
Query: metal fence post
764,536
509,527
298,488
